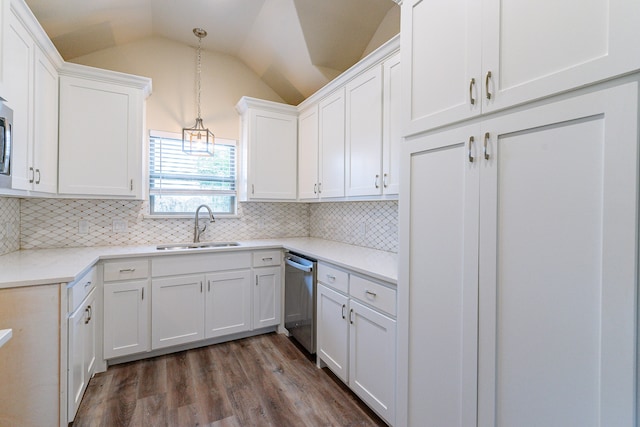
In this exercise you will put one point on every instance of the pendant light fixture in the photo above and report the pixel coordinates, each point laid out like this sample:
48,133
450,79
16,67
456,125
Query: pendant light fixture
198,140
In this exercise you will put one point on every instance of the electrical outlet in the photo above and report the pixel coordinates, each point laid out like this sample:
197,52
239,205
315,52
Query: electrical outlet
363,229
83,226
260,223
119,226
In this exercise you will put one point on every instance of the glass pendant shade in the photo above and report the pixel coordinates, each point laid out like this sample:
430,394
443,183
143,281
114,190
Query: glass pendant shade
198,140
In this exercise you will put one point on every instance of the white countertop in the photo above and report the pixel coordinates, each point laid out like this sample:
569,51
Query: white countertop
5,335
46,266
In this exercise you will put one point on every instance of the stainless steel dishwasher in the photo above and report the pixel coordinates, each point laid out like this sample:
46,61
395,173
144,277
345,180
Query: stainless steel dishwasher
300,300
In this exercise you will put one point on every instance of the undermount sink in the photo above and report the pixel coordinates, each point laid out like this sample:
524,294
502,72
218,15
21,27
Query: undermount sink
182,246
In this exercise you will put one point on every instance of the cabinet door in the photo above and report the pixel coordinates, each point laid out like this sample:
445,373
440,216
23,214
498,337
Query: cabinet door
273,151
45,130
267,297
558,263
535,49
228,303
19,48
437,313
76,377
90,333
177,310
391,124
308,153
100,140
333,331
363,126
126,318
372,359
331,134
441,55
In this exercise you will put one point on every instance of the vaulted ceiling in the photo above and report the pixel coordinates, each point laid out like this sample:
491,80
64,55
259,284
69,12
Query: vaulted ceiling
295,46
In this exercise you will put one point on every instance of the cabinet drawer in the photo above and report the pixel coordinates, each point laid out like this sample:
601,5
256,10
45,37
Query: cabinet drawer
267,258
126,270
374,294
333,277
78,290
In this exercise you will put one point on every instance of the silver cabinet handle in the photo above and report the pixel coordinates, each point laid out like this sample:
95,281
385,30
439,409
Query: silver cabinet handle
375,182
331,278
343,307
368,292
472,83
89,313
253,189
384,180
142,294
267,259
471,141
32,176
201,286
87,284
127,270
319,188
351,316
208,285
38,178
486,84
315,188
256,280
484,149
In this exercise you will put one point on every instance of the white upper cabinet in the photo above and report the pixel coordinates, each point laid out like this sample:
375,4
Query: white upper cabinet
269,150
465,57
101,132
391,124
364,133
308,151
331,145
33,96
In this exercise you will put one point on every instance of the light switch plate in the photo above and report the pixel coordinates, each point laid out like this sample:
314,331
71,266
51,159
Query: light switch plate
119,226
83,226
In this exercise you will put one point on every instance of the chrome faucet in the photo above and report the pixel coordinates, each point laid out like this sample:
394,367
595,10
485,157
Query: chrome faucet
196,227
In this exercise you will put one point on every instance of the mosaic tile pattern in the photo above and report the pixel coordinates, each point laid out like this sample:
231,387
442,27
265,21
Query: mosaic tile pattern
9,225
54,223
368,224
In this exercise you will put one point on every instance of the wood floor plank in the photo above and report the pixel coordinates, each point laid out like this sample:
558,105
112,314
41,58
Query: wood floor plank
259,381
211,395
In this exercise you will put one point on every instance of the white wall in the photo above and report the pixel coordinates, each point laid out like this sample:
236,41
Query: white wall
388,28
172,67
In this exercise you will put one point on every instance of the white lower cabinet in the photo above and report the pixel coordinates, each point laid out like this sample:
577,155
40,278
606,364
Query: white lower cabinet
228,303
521,272
333,330
127,307
357,336
177,314
82,351
266,297
126,318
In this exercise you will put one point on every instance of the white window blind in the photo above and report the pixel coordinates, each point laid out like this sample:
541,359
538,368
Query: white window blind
180,182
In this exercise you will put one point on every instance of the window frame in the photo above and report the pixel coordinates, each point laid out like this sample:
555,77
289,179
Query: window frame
149,213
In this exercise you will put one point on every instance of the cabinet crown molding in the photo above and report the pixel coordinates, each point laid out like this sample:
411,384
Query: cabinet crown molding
247,102
100,75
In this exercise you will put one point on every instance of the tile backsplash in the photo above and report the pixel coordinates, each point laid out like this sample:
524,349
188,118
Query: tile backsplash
56,223
9,225
368,224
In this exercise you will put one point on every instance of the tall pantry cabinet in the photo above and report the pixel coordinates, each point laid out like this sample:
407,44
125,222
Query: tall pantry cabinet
519,228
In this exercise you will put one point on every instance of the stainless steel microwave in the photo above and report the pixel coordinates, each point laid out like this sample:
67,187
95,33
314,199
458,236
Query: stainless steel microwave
6,125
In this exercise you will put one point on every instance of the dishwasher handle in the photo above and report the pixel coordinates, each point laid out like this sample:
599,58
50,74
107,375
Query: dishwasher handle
306,269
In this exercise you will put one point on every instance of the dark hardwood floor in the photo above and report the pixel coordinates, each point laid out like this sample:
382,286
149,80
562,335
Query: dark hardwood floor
258,381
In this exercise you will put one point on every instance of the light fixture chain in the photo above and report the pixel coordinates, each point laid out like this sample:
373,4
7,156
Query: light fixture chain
199,73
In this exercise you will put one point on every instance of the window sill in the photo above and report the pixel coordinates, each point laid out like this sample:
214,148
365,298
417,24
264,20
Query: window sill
191,217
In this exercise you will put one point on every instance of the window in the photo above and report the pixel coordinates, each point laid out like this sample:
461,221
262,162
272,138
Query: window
180,182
